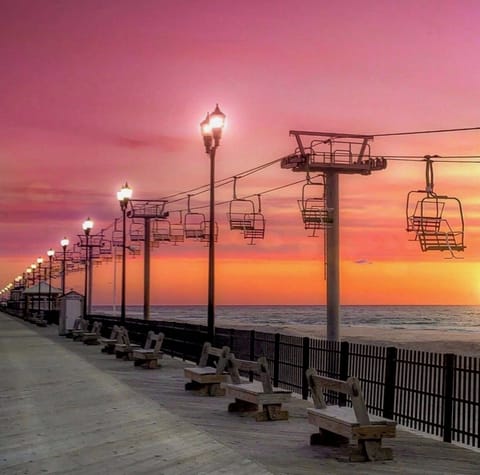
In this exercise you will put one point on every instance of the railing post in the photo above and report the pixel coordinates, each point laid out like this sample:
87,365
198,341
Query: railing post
390,377
232,338
305,366
344,353
276,360
252,345
448,380
185,341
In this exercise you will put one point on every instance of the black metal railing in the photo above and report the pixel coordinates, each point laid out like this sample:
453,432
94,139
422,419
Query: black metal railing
434,393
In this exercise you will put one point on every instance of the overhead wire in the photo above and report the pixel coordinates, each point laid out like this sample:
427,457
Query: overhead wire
419,132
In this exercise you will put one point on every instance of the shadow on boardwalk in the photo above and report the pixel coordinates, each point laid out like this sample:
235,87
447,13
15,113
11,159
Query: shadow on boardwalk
68,408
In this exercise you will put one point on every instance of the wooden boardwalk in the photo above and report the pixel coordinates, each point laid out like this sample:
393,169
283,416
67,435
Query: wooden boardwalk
67,408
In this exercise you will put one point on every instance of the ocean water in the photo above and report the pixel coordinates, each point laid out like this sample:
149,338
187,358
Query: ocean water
411,317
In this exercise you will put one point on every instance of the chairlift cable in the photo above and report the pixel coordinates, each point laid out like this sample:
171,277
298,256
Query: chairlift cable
433,131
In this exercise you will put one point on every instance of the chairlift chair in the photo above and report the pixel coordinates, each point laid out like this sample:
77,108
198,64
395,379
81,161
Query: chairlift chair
257,229
137,231
106,249
206,232
438,223
194,225
240,213
161,230
117,238
177,233
313,207
436,220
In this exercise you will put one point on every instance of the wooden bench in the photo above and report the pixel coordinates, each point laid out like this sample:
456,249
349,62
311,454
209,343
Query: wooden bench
206,380
124,349
110,342
148,356
80,326
37,320
259,397
91,337
339,424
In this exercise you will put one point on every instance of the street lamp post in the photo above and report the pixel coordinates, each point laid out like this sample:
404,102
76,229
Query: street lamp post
29,306
50,254
87,227
211,128
64,243
39,262
124,196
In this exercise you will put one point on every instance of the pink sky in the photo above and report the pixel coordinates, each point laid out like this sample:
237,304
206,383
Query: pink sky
98,92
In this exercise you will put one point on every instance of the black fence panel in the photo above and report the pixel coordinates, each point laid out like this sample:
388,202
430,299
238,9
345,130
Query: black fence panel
419,387
367,363
465,427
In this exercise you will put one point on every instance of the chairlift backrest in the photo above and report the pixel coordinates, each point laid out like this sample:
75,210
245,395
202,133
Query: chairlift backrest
137,231
257,228
238,212
205,234
161,230
194,225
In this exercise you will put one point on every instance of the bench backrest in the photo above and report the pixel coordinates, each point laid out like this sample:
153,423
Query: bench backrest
351,387
220,353
123,337
154,341
96,328
259,367
115,331
80,324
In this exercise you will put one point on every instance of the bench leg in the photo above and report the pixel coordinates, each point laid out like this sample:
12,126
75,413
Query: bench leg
211,389
242,406
193,386
370,450
215,389
137,362
151,364
272,412
325,437
91,342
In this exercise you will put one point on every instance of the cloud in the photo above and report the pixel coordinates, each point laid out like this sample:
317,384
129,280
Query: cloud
363,261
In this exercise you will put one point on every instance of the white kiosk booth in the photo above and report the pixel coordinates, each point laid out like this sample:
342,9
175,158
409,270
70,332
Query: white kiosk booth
71,308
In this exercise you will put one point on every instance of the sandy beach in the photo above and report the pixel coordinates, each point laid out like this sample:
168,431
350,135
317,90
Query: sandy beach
438,341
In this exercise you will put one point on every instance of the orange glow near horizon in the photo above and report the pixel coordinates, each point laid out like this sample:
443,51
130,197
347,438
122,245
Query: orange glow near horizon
177,281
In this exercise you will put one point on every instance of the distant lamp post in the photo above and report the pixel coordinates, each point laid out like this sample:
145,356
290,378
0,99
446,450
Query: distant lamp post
211,128
50,254
39,263
64,243
124,196
87,227
29,277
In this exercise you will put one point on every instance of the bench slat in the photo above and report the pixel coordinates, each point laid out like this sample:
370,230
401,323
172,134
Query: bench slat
253,392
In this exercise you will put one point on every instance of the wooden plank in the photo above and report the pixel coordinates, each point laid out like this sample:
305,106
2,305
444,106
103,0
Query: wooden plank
205,377
374,431
337,426
253,392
